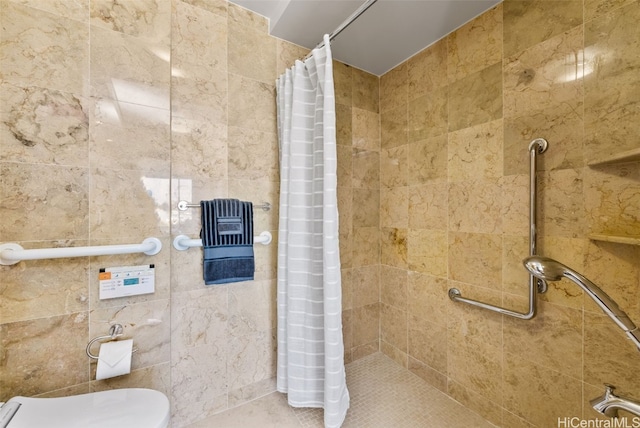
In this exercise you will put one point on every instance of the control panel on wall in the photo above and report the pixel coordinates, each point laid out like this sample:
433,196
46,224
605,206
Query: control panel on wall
125,281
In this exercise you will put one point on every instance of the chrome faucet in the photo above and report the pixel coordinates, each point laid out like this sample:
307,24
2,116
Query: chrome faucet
609,404
551,270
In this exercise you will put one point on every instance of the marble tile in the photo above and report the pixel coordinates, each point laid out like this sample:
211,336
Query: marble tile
43,354
365,350
219,7
612,199
398,356
615,269
561,125
199,317
343,84
515,204
32,46
251,104
149,216
153,377
477,367
252,54
246,17
539,395
366,286
476,98
253,154
394,88
394,247
198,100
366,169
474,401
393,287
127,69
393,326
365,246
394,127
192,188
546,75
476,258
366,321
251,358
346,249
199,381
199,148
609,357
348,290
366,204
193,55
428,114
515,277
596,8
76,9
259,191
394,207
571,252
428,70
427,297
393,166
39,125
553,339
44,288
561,205
344,127
31,193
345,209
147,323
149,19
365,90
270,411
365,129
476,152
426,373
252,307
347,333
612,90
475,206
476,45
249,393
428,206
427,251
428,160
427,343
286,55
116,125
527,23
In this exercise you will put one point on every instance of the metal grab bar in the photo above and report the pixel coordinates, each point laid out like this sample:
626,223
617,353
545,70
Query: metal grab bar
11,253
536,285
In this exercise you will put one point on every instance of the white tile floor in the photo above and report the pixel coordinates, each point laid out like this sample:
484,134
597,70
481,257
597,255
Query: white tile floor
383,395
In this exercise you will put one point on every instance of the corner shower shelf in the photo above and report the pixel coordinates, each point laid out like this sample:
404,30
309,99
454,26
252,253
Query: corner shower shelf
630,240
622,157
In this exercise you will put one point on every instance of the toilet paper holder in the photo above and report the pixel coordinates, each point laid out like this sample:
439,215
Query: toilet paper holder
115,331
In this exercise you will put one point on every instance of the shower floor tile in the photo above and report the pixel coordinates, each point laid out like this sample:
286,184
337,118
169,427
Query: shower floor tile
383,395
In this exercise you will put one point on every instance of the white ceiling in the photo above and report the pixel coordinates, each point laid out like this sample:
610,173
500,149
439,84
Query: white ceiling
387,34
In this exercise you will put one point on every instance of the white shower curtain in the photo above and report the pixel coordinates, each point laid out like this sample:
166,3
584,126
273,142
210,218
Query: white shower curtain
310,346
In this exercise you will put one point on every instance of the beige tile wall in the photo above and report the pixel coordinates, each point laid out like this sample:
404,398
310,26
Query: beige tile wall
456,120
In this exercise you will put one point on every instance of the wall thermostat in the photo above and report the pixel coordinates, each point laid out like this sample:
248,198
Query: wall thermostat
126,281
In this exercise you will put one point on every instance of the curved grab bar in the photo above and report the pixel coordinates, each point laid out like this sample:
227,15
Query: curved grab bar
536,285
11,253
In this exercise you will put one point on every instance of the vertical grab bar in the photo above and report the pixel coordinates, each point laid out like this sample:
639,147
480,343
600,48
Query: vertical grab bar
537,146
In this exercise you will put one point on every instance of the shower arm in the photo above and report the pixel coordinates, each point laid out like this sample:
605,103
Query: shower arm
537,146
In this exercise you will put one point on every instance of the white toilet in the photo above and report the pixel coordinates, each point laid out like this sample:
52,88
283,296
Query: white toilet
117,408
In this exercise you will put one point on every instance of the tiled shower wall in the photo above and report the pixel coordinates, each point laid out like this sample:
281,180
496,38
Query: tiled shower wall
456,120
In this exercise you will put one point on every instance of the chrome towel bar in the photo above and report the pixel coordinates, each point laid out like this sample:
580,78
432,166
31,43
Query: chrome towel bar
536,285
184,205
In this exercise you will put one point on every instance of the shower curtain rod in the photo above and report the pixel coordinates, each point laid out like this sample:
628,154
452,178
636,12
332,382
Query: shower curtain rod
362,9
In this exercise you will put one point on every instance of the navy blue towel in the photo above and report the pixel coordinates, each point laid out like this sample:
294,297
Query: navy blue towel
227,241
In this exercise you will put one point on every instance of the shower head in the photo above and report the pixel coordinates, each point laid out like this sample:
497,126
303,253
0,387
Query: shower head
545,268
551,270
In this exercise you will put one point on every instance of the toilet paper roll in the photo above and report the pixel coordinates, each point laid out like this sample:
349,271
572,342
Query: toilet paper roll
114,359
